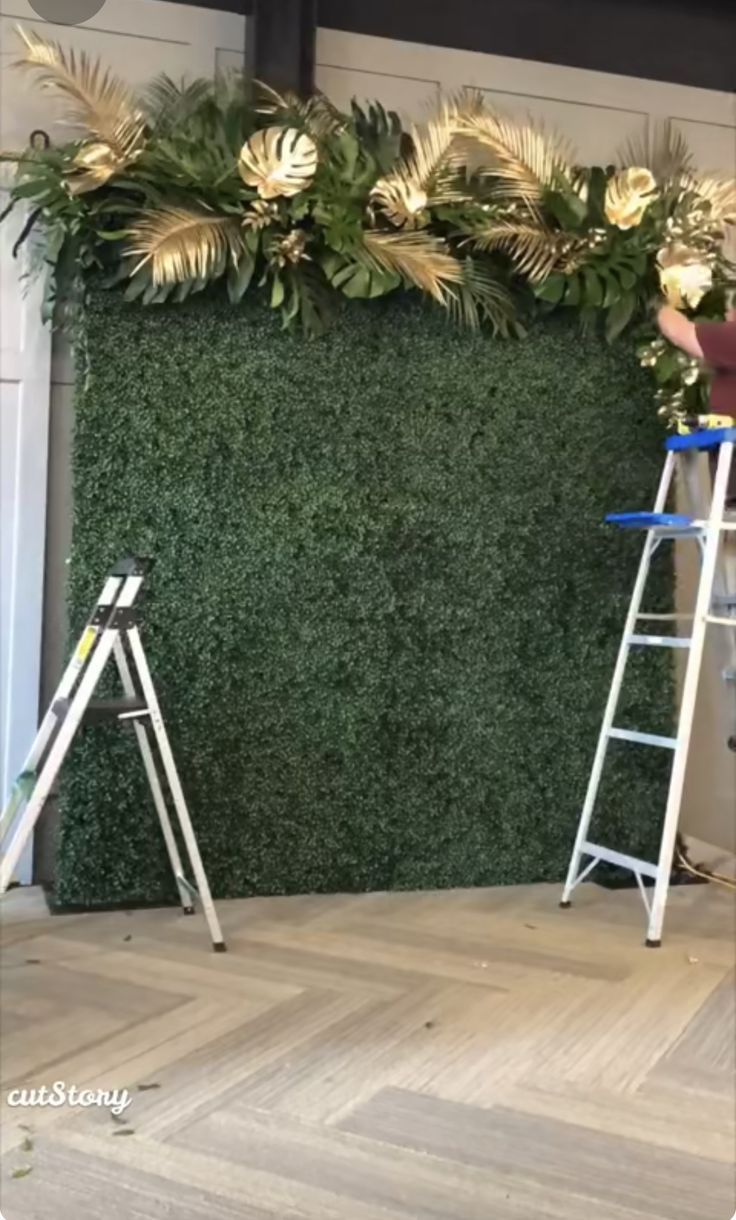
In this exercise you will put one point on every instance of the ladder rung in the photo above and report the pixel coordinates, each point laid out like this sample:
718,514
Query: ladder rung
720,622
618,857
643,739
100,710
666,618
661,641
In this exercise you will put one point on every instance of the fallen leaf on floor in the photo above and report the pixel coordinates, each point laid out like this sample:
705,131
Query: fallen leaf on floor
23,1172
124,1131
118,1118
533,926
33,961
27,1145
143,1088
429,1024
128,937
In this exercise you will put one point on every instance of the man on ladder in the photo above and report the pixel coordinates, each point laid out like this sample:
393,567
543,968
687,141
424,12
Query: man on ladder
715,607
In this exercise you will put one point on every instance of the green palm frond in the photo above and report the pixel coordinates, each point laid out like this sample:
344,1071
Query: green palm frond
481,297
380,132
525,158
181,244
662,148
418,258
316,115
94,99
168,102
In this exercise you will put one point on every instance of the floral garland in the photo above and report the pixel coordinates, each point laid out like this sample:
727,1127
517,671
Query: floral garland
188,184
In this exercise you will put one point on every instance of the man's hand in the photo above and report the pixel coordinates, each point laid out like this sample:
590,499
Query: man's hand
679,330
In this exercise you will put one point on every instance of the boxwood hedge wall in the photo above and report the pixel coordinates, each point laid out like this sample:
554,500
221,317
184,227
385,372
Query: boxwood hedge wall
384,611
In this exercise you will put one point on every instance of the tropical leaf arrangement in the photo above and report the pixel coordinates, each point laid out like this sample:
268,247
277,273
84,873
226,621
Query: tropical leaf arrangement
189,185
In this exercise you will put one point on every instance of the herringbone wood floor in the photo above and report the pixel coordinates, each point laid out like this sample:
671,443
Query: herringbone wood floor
467,1055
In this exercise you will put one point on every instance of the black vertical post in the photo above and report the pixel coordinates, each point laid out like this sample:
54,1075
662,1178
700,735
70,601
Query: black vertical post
280,44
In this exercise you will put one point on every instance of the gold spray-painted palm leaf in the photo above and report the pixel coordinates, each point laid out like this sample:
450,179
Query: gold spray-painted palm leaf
718,190
534,249
182,244
278,161
525,159
418,258
93,98
427,176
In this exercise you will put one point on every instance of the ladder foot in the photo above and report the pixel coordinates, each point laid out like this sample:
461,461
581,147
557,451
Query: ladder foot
187,910
564,904
652,944
219,946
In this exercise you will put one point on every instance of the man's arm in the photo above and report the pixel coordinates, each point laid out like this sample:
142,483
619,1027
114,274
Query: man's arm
679,330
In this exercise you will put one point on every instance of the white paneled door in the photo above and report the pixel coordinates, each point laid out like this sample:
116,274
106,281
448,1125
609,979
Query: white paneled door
138,38
25,362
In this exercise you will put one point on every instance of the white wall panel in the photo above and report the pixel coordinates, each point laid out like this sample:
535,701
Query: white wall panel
410,97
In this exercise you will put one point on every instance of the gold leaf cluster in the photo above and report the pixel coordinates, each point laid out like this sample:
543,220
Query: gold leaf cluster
95,100
426,177
508,186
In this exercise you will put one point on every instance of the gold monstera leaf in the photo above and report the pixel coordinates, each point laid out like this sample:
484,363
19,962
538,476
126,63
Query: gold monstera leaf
683,275
94,165
278,161
628,195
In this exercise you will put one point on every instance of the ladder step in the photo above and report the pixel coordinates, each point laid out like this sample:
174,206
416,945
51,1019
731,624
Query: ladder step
617,857
101,710
644,739
666,618
661,641
721,622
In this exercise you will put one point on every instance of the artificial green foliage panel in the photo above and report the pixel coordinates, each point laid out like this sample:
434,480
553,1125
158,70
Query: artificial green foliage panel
384,612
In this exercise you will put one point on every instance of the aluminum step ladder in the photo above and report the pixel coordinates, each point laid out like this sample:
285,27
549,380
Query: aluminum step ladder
715,607
111,631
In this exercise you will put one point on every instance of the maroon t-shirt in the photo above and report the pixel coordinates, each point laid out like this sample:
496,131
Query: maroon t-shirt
718,341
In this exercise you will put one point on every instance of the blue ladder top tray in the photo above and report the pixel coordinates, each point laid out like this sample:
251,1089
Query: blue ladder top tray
648,521
707,438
